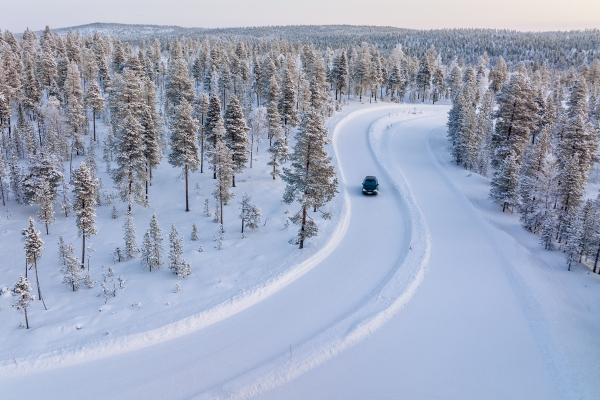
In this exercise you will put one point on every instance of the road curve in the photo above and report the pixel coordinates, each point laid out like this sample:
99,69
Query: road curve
376,242
472,330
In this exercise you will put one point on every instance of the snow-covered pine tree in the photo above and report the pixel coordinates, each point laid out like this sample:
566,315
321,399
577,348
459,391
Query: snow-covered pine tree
130,174
570,192
213,127
200,109
177,264
95,101
279,152
537,184
258,123
505,183
194,236
224,169
179,85
249,213
423,78
288,100
184,150
152,247
312,179
73,95
84,188
33,250
517,117
498,75
485,130
131,247
236,136
71,269
22,298
44,198
65,202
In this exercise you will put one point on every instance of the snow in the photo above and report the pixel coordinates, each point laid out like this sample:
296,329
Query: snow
426,291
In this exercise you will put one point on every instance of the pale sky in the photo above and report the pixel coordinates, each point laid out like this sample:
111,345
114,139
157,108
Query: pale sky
529,15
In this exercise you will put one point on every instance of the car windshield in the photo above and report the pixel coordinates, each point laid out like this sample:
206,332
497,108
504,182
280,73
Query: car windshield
370,182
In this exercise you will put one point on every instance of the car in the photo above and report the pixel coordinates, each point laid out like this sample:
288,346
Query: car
370,185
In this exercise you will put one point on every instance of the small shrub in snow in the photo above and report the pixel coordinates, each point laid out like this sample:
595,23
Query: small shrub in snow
194,236
114,213
177,288
207,208
110,271
88,281
201,249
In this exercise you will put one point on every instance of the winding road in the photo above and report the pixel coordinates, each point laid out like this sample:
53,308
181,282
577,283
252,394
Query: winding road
375,319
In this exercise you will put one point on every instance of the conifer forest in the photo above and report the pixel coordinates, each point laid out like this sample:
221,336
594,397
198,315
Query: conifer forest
160,182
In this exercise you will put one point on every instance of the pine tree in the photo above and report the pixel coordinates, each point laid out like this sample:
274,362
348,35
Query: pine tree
288,100
485,130
71,269
517,118
44,198
423,78
179,85
249,214
151,123
570,192
131,247
279,152
95,101
236,136
224,169
74,98
84,188
130,174
184,150
22,298
33,250
213,126
65,203
311,181
505,183
498,75
340,74
177,264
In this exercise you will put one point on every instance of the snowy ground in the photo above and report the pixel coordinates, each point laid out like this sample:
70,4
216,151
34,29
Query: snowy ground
426,291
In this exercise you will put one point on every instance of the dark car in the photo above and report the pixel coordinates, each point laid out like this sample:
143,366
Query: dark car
370,185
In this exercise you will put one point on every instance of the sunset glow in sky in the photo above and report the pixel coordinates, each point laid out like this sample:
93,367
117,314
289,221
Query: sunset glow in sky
530,15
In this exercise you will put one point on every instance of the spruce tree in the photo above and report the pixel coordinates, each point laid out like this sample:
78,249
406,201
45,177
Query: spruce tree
152,247
184,150
312,179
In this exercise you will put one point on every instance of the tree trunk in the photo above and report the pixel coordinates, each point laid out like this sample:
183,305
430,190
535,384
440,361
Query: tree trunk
187,206
26,320
201,153
242,225
83,253
302,228
37,281
94,118
46,228
597,256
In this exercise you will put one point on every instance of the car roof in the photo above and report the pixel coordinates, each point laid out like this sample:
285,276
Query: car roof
370,177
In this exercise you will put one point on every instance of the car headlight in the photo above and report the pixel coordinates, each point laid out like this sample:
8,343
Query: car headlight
364,190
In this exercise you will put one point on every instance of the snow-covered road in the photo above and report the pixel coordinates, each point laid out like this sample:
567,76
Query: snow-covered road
466,333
